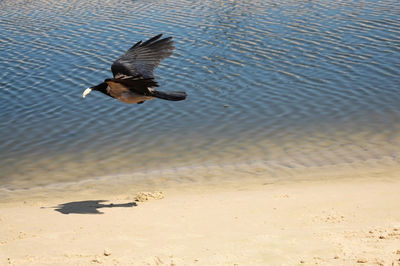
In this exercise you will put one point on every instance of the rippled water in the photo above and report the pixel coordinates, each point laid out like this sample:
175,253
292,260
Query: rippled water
305,83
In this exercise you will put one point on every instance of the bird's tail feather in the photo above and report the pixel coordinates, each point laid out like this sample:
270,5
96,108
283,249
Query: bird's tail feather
170,95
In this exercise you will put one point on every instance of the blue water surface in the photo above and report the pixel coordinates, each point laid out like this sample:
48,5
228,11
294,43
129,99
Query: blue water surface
294,82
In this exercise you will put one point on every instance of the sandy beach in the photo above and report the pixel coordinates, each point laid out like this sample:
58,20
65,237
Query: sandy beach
339,221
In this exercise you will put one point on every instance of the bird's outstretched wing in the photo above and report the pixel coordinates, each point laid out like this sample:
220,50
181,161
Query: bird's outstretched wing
142,58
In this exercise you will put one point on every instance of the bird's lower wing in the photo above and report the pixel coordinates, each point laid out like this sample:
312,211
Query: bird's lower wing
136,84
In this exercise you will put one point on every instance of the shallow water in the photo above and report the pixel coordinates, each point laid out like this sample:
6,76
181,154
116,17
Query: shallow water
287,83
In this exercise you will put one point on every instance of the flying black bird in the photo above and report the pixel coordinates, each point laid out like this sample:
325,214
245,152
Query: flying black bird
133,80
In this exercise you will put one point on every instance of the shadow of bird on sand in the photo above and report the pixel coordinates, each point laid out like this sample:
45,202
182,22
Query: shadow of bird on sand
88,206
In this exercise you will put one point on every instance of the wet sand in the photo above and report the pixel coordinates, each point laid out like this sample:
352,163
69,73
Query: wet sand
353,219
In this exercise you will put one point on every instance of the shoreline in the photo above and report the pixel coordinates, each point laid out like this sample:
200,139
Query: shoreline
347,220
207,176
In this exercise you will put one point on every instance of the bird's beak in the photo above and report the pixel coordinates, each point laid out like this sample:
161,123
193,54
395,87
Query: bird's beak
86,92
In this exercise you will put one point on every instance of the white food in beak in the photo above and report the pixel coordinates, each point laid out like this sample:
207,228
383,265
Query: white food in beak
86,92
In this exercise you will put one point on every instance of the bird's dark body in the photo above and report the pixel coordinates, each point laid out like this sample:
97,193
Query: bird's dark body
133,80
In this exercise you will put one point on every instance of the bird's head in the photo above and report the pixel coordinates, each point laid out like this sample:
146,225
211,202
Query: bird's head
101,87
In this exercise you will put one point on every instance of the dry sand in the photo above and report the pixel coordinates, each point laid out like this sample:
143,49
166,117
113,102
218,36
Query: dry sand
340,221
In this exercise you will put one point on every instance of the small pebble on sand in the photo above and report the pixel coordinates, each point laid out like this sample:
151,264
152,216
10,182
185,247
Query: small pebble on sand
362,261
107,252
